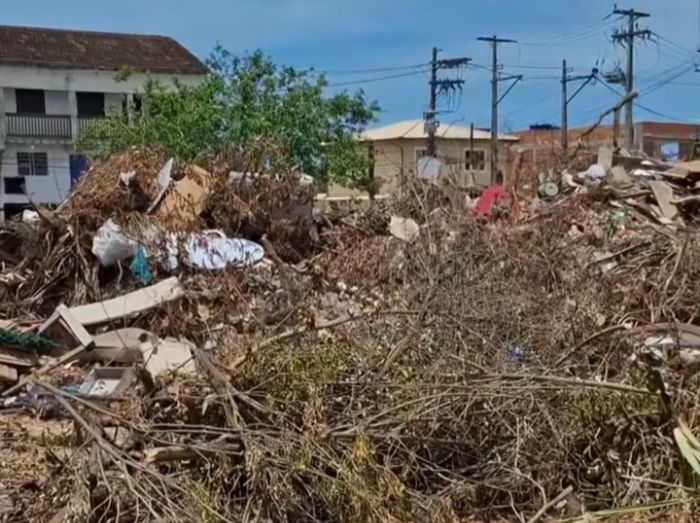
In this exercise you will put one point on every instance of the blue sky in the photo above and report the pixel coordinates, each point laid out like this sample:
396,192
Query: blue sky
358,35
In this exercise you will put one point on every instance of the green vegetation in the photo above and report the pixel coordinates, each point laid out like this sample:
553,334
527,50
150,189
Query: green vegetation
247,100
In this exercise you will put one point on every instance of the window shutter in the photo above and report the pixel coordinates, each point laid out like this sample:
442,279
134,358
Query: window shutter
24,164
40,164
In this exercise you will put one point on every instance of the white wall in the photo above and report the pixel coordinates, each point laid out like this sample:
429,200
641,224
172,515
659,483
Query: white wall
83,80
53,188
57,102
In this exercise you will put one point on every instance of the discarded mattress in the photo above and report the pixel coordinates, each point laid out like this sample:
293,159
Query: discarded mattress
213,250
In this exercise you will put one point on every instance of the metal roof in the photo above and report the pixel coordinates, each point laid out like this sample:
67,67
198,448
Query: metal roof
414,129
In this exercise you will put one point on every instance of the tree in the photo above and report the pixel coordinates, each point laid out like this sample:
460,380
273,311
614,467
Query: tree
245,100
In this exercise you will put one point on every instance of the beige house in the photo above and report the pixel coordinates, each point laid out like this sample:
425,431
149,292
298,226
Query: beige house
398,148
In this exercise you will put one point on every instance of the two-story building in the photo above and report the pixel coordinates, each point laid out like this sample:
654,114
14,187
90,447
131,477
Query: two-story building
55,82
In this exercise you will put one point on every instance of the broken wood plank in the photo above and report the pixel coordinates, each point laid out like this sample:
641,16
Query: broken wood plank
664,197
8,374
77,328
127,338
685,169
221,445
132,303
68,356
63,328
687,199
18,358
168,355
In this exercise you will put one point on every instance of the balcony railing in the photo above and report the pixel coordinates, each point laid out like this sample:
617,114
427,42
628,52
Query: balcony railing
38,126
89,123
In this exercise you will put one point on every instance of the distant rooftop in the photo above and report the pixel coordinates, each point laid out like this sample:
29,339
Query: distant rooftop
68,49
414,129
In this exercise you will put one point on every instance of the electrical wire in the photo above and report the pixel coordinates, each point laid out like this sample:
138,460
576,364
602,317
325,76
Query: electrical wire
645,108
554,43
576,36
666,81
370,71
530,105
675,45
532,66
378,79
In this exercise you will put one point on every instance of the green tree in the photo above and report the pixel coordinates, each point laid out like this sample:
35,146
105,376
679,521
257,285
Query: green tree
244,100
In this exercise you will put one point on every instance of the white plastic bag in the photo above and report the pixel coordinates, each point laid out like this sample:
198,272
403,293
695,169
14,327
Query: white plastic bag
110,245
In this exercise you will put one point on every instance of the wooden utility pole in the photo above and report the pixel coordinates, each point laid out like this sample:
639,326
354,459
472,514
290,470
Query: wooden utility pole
471,147
566,100
564,107
626,38
431,123
438,86
495,100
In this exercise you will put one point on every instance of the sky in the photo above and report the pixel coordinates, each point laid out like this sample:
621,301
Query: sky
383,47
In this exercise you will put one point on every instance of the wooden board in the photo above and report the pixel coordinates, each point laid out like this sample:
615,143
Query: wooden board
8,374
18,358
132,303
67,357
63,328
664,197
185,202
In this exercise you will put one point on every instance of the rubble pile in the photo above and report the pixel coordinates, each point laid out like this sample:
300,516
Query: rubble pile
440,367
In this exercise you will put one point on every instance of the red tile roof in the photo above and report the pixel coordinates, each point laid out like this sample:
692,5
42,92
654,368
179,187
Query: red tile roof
67,49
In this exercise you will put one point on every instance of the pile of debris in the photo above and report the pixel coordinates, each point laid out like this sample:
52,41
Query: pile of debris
667,194
369,368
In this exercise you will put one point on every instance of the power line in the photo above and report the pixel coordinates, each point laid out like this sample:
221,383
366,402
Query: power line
665,82
674,44
378,79
583,34
644,107
662,115
532,66
370,71
652,79
555,43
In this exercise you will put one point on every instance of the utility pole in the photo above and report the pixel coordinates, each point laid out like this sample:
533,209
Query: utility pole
431,123
626,39
566,100
438,86
495,100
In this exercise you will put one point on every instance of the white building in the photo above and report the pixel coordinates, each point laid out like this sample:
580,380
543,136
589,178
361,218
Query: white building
55,82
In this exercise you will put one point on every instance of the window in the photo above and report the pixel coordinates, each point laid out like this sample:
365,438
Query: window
475,163
421,152
14,185
30,101
14,209
91,104
136,106
32,164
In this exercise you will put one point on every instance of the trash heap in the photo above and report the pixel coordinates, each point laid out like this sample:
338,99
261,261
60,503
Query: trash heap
438,367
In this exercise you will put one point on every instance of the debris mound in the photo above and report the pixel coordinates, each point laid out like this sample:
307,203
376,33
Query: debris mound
447,366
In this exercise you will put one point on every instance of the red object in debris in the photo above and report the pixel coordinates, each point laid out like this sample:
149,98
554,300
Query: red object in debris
494,195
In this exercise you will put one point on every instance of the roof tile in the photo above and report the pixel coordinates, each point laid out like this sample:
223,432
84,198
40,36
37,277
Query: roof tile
59,48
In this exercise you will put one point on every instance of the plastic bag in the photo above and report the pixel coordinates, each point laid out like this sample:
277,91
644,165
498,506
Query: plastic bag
110,246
